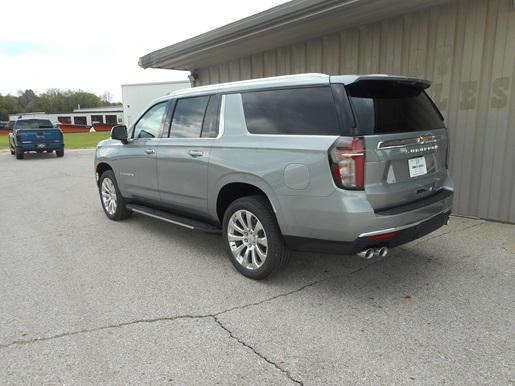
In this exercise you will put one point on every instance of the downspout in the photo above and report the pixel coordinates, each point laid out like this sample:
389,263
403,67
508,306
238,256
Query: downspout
194,78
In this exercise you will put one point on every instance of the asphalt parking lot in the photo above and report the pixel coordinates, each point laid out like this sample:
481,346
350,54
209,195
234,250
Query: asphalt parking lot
87,300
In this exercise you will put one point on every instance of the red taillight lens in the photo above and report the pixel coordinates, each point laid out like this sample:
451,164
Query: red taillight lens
347,157
383,236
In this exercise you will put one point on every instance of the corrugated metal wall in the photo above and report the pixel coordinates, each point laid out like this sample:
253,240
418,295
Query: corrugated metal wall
466,48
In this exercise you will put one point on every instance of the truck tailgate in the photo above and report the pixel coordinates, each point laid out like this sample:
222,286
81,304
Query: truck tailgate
39,136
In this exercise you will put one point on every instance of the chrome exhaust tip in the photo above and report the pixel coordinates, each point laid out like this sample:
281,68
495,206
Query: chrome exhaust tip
366,253
382,252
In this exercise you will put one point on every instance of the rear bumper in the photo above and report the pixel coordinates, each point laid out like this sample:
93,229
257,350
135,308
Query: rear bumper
36,147
345,215
402,235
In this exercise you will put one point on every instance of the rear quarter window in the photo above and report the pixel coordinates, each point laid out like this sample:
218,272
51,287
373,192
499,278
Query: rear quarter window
383,107
296,111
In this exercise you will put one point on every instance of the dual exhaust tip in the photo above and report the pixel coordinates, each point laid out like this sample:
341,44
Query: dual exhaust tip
368,253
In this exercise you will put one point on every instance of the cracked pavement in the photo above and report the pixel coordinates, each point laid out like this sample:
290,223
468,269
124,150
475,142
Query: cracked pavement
87,300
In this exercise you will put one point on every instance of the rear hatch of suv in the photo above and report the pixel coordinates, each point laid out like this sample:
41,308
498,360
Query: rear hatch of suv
403,139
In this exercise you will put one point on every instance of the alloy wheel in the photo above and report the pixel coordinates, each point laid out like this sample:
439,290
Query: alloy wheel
109,198
247,239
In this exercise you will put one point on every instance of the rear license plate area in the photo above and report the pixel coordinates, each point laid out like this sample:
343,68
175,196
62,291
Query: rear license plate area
417,166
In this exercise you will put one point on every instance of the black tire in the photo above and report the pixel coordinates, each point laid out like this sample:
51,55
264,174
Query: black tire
60,153
19,153
121,211
277,254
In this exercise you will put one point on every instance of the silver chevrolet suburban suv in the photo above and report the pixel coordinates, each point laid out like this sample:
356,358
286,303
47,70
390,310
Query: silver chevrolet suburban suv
340,164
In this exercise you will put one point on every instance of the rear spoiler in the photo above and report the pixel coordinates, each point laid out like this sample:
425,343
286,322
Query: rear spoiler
350,79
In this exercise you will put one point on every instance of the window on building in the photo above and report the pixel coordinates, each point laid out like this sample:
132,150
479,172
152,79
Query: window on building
97,119
80,120
211,119
188,117
149,125
65,120
296,111
111,119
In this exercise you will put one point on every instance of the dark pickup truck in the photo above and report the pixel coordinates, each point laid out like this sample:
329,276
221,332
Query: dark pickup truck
37,135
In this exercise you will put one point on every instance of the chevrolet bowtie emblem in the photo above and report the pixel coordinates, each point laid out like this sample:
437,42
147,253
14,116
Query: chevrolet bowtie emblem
422,140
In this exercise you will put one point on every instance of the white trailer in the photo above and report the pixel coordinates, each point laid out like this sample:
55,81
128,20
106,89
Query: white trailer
137,97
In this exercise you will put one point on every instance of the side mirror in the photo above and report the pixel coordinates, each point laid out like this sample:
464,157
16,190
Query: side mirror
119,133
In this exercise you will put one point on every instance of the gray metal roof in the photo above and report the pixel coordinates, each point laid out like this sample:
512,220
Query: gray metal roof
287,23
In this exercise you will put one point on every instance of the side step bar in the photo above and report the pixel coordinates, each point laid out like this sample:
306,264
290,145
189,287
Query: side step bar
174,219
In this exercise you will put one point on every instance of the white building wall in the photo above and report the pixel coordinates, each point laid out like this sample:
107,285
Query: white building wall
137,97
41,115
55,117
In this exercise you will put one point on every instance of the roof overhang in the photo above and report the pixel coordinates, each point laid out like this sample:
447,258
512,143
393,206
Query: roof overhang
288,23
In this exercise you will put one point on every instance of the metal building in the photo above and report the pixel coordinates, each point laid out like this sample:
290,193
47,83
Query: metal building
465,47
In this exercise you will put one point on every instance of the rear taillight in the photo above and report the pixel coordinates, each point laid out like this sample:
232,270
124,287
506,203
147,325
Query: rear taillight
347,157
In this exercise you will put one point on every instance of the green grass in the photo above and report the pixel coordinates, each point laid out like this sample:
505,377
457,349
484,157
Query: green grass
71,140
4,142
84,140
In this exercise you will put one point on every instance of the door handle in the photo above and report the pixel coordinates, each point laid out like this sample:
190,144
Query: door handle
150,151
196,153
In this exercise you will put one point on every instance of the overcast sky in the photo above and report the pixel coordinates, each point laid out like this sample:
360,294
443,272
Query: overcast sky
95,45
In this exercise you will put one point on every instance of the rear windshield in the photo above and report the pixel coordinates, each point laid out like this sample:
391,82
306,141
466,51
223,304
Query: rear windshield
383,107
34,124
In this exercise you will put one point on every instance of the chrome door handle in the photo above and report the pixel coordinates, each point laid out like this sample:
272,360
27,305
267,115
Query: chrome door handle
196,153
150,151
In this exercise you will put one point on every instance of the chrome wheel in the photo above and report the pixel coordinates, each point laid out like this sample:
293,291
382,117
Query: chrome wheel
109,198
247,239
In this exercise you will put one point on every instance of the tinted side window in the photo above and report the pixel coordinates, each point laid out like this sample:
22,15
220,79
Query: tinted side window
210,125
299,111
188,117
149,125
